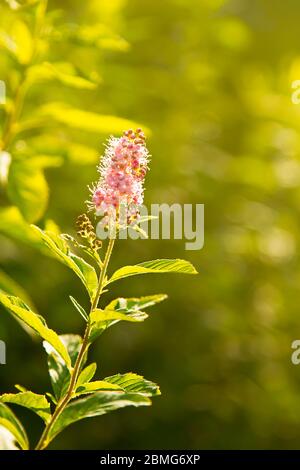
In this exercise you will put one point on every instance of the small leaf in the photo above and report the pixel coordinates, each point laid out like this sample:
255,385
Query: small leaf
28,190
58,370
34,402
121,309
134,304
12,425
103,319
87,374
96,404
34,321
59,247
79,308
155,266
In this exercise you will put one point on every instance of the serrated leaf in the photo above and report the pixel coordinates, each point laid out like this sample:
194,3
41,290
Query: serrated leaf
34,402
129,382
79,308
86,120
59,247
87,374
102,319
28,190
134,383
96,386
12,425
134,304
58,370
121,309
34,321
96,404
155,266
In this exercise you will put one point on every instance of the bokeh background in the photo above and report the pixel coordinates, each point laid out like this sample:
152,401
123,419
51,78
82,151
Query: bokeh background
212,80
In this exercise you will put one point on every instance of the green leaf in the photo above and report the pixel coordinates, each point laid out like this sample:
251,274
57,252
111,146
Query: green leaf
103,319
96,386
14,430
87,374
134,383
59,247
86,120
155,266
28,189
79,308
58,370
96,404
121,309
129,382
135,304
34,402
34,321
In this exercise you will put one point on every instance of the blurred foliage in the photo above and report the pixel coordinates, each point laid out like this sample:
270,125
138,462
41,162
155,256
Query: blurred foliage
212,80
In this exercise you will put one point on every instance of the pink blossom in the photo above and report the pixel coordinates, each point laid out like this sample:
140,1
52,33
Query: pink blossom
122,172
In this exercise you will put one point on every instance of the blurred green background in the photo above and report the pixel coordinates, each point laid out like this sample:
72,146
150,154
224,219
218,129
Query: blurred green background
212,81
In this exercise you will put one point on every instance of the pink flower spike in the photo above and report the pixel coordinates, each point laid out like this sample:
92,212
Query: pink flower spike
122,172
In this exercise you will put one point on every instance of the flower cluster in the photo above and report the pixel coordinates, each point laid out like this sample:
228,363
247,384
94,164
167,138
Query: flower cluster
85,230
122,172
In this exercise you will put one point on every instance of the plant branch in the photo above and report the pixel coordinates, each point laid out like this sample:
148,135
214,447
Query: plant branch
44,441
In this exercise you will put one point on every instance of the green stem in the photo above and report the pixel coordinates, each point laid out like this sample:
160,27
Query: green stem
44,441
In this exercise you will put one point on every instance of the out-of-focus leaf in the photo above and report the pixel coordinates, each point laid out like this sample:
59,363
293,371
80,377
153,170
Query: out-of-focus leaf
62,72
14,430
13,225
34,321
155,266
28,190
96,404
34,402
95,35
10,286
59,247
86,120
58,370
5,161
18,42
